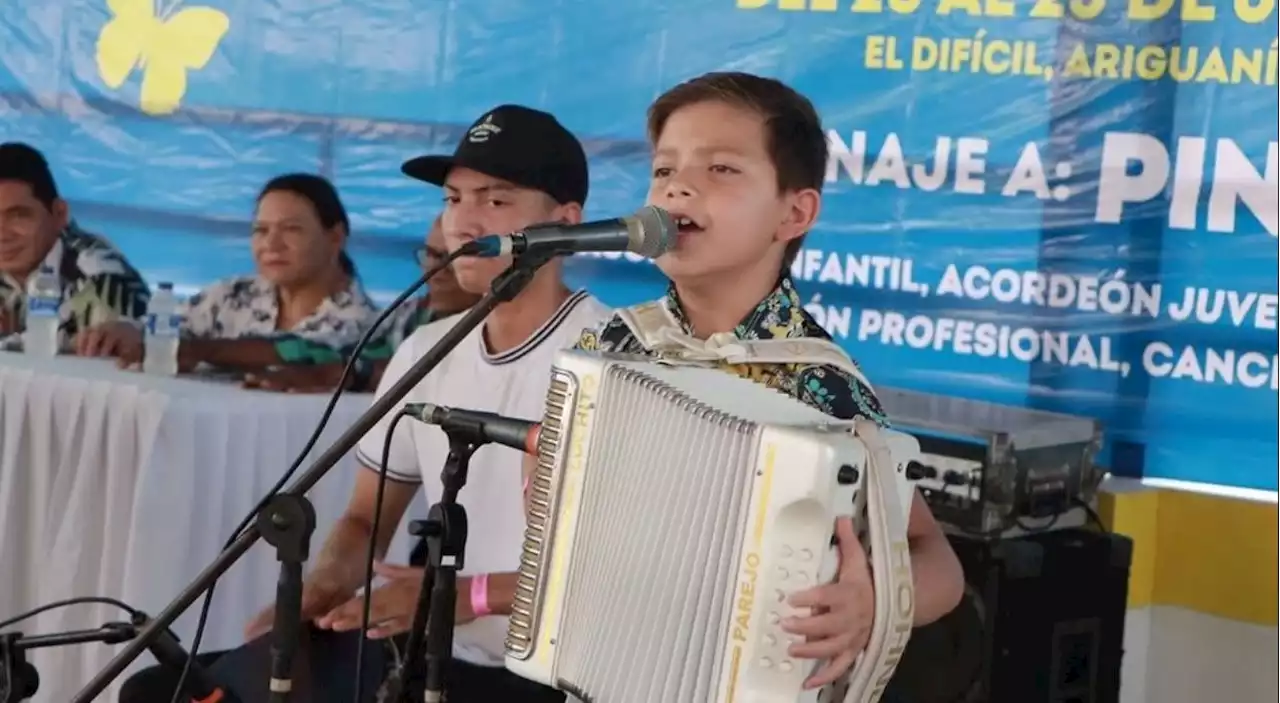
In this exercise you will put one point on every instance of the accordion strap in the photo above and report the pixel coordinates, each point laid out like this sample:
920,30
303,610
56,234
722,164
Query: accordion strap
890,560
656,329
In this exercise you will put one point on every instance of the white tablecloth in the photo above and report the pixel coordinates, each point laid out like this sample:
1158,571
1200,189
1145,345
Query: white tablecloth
124,485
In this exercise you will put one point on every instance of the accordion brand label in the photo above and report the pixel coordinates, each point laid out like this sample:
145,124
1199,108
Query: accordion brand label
749,572
746,597
751,560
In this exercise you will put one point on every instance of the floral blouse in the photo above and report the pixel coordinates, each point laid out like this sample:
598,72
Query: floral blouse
248,307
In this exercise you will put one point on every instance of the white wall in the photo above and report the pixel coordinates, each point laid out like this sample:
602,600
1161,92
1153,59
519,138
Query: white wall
1174,655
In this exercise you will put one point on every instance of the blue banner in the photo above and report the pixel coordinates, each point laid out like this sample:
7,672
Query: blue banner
1060,204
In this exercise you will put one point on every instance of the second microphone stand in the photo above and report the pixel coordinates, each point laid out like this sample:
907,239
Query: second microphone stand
445,531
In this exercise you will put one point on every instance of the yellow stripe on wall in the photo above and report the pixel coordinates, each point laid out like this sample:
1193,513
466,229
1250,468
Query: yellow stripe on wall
1211,554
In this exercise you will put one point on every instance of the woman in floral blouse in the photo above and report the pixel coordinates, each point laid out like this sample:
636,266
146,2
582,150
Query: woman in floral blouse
305,287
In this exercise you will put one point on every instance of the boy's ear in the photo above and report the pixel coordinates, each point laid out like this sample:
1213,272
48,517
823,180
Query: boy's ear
803,208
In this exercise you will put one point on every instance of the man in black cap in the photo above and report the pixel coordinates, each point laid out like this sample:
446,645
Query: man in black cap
514,167
98,284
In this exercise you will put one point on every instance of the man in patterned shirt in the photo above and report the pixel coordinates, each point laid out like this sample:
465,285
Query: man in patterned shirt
98,284
739,162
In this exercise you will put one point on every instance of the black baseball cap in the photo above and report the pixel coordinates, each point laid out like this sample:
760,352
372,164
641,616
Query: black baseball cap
25,164
529,148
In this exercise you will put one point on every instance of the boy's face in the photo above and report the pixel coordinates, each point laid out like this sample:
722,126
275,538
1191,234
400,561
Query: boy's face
713,173
477,205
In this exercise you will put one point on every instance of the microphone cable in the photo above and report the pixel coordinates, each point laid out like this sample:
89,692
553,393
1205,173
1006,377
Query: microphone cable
66,603
371,553
315,437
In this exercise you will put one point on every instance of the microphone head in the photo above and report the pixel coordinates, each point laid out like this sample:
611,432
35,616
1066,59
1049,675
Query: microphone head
651,232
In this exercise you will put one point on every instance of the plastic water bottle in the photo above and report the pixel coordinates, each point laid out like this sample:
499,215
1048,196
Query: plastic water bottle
163,326
44,297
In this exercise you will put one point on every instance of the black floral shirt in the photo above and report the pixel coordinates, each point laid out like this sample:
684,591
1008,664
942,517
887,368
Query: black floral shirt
779,316
248,308
98,285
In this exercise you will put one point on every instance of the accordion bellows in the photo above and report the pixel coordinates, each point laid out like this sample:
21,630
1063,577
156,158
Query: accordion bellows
673,510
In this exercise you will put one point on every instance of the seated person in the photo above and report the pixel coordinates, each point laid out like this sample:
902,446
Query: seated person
314,367
98,284
306,285
530,170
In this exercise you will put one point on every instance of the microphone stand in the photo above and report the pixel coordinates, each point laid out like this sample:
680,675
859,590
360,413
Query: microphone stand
445,530
19,680
505,287
286,523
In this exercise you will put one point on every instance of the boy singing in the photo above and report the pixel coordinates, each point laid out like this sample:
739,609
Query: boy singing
739,162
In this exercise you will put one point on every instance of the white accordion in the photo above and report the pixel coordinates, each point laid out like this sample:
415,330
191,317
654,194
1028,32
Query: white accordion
673,510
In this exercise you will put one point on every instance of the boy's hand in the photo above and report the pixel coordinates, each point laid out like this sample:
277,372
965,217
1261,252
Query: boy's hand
843,612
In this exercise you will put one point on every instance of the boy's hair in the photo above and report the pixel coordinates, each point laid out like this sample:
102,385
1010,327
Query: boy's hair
795,140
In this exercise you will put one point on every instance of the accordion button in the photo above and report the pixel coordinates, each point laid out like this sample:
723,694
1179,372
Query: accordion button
766,662
774,618
784,666
805,555
786,552
783,574
769,640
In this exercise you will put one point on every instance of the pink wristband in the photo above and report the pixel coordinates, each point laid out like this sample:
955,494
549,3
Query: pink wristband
480,595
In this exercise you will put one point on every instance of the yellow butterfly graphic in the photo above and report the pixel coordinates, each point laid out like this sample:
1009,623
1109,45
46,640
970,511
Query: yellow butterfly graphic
164,45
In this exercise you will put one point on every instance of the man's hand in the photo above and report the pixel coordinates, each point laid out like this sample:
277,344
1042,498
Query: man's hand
119,339
391,606
317,599
322,378
840,624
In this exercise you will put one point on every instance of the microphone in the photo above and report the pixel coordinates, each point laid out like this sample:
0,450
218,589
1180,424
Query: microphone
171,654
650,232
521,435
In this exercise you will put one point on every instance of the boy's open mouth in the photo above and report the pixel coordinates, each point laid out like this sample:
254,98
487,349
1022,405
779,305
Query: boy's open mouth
685,224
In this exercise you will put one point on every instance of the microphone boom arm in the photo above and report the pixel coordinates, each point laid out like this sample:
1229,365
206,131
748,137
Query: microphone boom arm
504,288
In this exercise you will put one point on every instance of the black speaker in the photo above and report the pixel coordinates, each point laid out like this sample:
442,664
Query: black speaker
1042,621
1052,608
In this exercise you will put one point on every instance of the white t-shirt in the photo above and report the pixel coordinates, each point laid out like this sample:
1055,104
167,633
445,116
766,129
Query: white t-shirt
514,384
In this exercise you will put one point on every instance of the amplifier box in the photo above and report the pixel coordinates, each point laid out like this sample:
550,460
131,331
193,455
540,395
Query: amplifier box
984,468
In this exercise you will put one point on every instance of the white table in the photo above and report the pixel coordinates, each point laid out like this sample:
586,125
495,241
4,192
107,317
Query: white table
118,484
